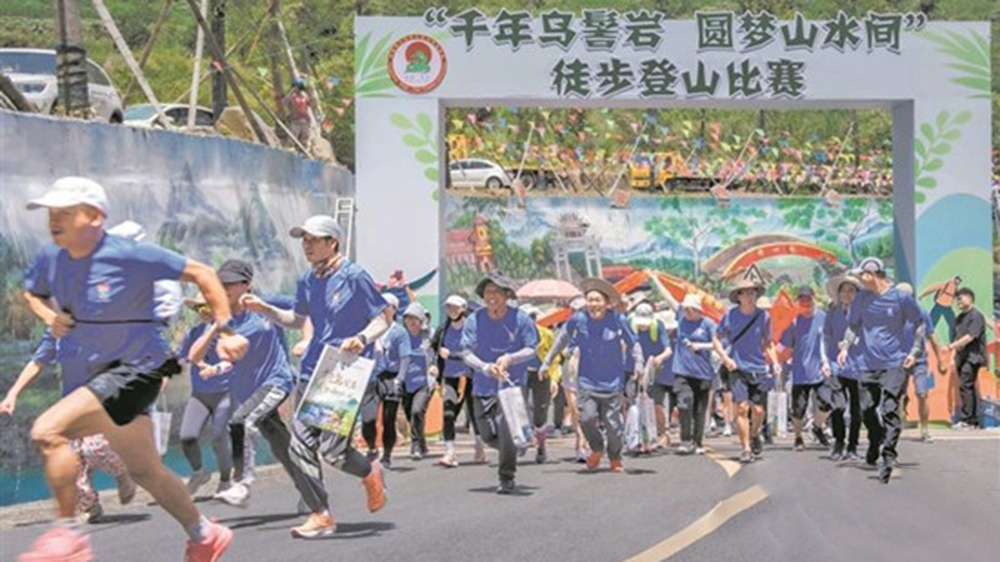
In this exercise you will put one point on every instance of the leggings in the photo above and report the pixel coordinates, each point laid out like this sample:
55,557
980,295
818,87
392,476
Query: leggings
453,403
692,405
840,430
539,390
200,407
415,409
94,453
382,392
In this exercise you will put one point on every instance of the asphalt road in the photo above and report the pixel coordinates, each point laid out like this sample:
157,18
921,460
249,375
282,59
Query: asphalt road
943,504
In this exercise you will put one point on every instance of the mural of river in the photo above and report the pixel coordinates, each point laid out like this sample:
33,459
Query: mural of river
693,237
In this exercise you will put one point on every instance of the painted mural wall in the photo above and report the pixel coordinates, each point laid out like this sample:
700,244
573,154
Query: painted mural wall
209,198
793,240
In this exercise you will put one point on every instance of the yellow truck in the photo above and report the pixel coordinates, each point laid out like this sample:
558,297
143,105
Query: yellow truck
655,170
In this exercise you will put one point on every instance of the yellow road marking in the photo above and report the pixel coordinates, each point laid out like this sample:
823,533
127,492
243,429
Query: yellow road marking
730,466
707,524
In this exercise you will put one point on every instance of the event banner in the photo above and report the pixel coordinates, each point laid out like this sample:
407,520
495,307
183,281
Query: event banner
333,397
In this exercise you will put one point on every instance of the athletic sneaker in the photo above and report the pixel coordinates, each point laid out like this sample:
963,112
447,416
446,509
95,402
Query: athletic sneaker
594,460
926,437
59,543
800,445
851,456
838,453
386,462
820,436
617,467
960,425
581,455
92,515
372,455
746,457
686,449
212,548
236,495
223,486
415,453
756,446
198,479
506,487
448,461
541,455
316,525
728,430
126,489
699,450
375,489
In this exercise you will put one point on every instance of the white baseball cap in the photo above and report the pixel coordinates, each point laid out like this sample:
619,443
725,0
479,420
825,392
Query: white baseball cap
70,191
318,225
456,300
128,229
391,299
644,315
415,310
692,300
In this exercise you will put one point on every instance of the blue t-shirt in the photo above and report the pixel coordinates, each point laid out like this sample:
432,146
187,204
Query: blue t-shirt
339,306
694,364
603,346
488,339
910,332
265,364
110,295
72,374
416,371
199,385
395,346
833,332
665,375
748,351
653,347
454,367
881,321
804,337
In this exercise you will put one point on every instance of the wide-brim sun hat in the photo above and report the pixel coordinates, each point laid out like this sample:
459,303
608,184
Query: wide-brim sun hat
693,301
603,287
836,282
501,281
742,285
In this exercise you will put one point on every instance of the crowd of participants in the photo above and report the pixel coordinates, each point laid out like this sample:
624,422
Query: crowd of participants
107,298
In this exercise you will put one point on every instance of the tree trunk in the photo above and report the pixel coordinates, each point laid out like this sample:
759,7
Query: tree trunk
219,92
274,58
71,60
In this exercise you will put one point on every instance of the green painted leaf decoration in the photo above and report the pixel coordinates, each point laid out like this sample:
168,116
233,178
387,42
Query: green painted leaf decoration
970,56
401,121
413,141
425,156
424,123
431,174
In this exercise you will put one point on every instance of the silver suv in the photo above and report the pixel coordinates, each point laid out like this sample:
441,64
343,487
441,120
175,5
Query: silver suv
33,71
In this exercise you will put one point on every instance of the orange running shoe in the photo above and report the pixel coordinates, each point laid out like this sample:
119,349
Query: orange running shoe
212,548
594,460
617,467
316,525
59,543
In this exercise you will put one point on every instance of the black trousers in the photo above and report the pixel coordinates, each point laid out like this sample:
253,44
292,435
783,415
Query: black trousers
967,394
453,405
840,431
692,403
415,408
881,393
538,394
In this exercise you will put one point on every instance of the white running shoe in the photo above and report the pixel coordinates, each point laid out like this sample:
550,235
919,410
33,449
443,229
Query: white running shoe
237,495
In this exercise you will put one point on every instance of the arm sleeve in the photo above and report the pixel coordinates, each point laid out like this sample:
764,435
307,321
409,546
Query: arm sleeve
469,343
562,338
36,276
160,263
529,341
919,348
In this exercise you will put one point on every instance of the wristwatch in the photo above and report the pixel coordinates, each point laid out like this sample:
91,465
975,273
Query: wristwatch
363,338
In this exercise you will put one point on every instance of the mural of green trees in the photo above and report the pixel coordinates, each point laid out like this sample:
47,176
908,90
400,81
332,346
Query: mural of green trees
840,227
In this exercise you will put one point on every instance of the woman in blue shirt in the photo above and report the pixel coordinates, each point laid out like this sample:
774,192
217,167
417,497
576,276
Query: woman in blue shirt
419,377
693,372
842,290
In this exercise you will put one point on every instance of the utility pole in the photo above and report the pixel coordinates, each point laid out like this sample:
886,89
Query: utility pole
274,58
199,47
219,98
71,60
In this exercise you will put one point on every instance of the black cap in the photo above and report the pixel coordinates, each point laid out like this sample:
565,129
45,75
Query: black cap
500,280
804,291
235,271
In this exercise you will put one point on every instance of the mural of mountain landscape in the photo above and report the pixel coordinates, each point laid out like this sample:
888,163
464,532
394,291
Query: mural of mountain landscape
207,197
792,240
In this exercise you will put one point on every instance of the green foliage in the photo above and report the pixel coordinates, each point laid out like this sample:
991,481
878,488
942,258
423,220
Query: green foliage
931,144
423,138
972,58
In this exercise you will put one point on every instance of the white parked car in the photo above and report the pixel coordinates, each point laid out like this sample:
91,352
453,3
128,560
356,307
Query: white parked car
33,71
144,115
474,172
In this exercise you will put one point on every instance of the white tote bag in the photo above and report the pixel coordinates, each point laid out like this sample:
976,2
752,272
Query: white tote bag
777,412
647,421
515,414
161,417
